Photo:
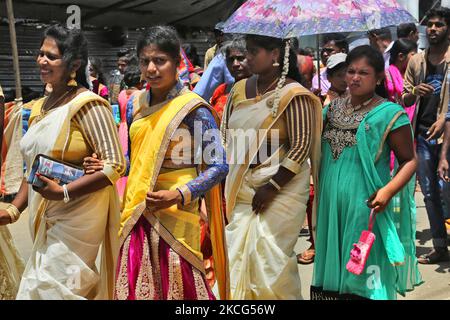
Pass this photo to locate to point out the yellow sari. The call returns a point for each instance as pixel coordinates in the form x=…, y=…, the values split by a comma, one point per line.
x=178, y=226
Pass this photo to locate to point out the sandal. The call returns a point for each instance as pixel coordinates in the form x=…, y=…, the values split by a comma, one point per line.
x=434, y=257
x=306, y=257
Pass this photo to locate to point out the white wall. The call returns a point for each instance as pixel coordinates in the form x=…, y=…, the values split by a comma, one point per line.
x=445, y=3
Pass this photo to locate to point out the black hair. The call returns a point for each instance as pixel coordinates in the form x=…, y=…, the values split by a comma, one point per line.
x=405, y=29
x=191, y=52
x=97, y=65
x=165, y=38
x=122, y=53
x=73, y=46
x=372, y=55
x=237, y=43
x=339, y=40
x=269, y=43
x=340, y=66
x=132, y=76
x=404, y=46
x=441, y=12
x=383, y=33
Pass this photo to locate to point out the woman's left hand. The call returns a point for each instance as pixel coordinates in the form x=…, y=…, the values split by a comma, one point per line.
x=263, y=197
x=162, y=199
x=51, y=190
x=379, y=200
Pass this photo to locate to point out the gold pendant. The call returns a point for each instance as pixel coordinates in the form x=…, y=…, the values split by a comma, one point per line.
x=258, y=98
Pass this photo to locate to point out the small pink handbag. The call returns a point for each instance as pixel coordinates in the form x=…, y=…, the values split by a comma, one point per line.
x=361, y=250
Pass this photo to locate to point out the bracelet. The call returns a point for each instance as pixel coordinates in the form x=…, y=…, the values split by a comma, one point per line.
x=414, y=91
x=66, y=194
x=13, y=212
x=276, y=185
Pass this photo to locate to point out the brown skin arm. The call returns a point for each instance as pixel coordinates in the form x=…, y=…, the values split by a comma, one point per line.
x=401, y=142
x=20, y=201
x=154, y=200
x=421, y=90
x=443, y=167
x=266, y=193
x=80, y=187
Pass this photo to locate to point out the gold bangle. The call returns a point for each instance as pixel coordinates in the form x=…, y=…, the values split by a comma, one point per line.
x=276, y=185
x=13, y=212
x=414, y=91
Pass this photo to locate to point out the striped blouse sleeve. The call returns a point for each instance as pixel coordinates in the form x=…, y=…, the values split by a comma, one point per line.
x=97, y=125
x=299, y=118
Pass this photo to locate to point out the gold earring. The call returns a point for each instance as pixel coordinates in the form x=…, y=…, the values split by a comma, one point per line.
x=276, y=64
x=72, y=82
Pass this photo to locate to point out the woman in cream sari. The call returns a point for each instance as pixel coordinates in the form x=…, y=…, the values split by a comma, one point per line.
x=267, y=188
x=160, y=256
x=69, y=223
x=11, y=265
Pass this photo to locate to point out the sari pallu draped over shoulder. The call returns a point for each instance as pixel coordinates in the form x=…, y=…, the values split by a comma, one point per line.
x=151, y=133
x=67, y=237
x=398, y=231
x=263, y=264
x=237, y=170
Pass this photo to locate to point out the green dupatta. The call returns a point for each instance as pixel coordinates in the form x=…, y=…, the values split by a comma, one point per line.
x=398, y=230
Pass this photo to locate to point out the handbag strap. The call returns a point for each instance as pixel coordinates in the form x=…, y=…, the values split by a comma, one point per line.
x=371, y=219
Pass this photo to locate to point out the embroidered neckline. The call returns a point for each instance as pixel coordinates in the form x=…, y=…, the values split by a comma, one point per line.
x=341, y=128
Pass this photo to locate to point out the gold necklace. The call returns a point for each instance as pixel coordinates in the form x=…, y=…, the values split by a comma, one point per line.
x=258, y=94
x=362, y=106
x=45, y=110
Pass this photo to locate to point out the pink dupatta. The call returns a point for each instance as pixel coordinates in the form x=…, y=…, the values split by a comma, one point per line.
x=123, y=136
x=394, y=88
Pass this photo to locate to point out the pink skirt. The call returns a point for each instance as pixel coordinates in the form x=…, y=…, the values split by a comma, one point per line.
x=149, y=269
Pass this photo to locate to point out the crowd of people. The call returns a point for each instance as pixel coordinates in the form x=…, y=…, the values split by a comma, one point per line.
x=197, y=181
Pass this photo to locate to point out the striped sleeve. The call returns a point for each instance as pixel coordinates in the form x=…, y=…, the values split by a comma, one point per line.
x=98, y=127
x=299, y=118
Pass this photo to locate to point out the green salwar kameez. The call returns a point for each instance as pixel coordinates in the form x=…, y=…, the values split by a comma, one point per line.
x=355, y=163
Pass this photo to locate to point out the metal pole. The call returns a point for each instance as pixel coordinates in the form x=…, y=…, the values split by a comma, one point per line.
x=15, y=54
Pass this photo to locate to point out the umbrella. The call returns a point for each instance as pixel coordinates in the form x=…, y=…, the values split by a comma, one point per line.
x=293, y=18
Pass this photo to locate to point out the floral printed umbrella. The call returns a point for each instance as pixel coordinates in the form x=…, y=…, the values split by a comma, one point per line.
x=293, y=18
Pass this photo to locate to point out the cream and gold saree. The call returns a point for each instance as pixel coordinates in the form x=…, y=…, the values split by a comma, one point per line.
x=262, y=260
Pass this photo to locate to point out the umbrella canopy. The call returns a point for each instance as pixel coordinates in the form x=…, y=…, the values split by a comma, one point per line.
x=293, y=18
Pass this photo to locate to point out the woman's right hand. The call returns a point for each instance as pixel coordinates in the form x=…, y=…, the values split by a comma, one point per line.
x=92, y=164
x=5, y=218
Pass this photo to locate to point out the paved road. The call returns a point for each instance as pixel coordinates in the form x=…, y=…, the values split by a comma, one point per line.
x=437, y=277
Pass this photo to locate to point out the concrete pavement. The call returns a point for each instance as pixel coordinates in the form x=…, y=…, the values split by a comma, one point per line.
x=436, y=277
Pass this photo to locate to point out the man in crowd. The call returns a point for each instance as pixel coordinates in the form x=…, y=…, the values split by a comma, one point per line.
x=332, y=43
x=426, y=85
x=381, y=39
x=212, y=52
x=408, y=31
x=443, y=168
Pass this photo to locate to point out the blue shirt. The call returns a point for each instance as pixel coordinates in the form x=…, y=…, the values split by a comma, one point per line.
x=216, y=74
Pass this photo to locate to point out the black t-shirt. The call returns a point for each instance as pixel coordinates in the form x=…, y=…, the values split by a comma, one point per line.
x=427, y=114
